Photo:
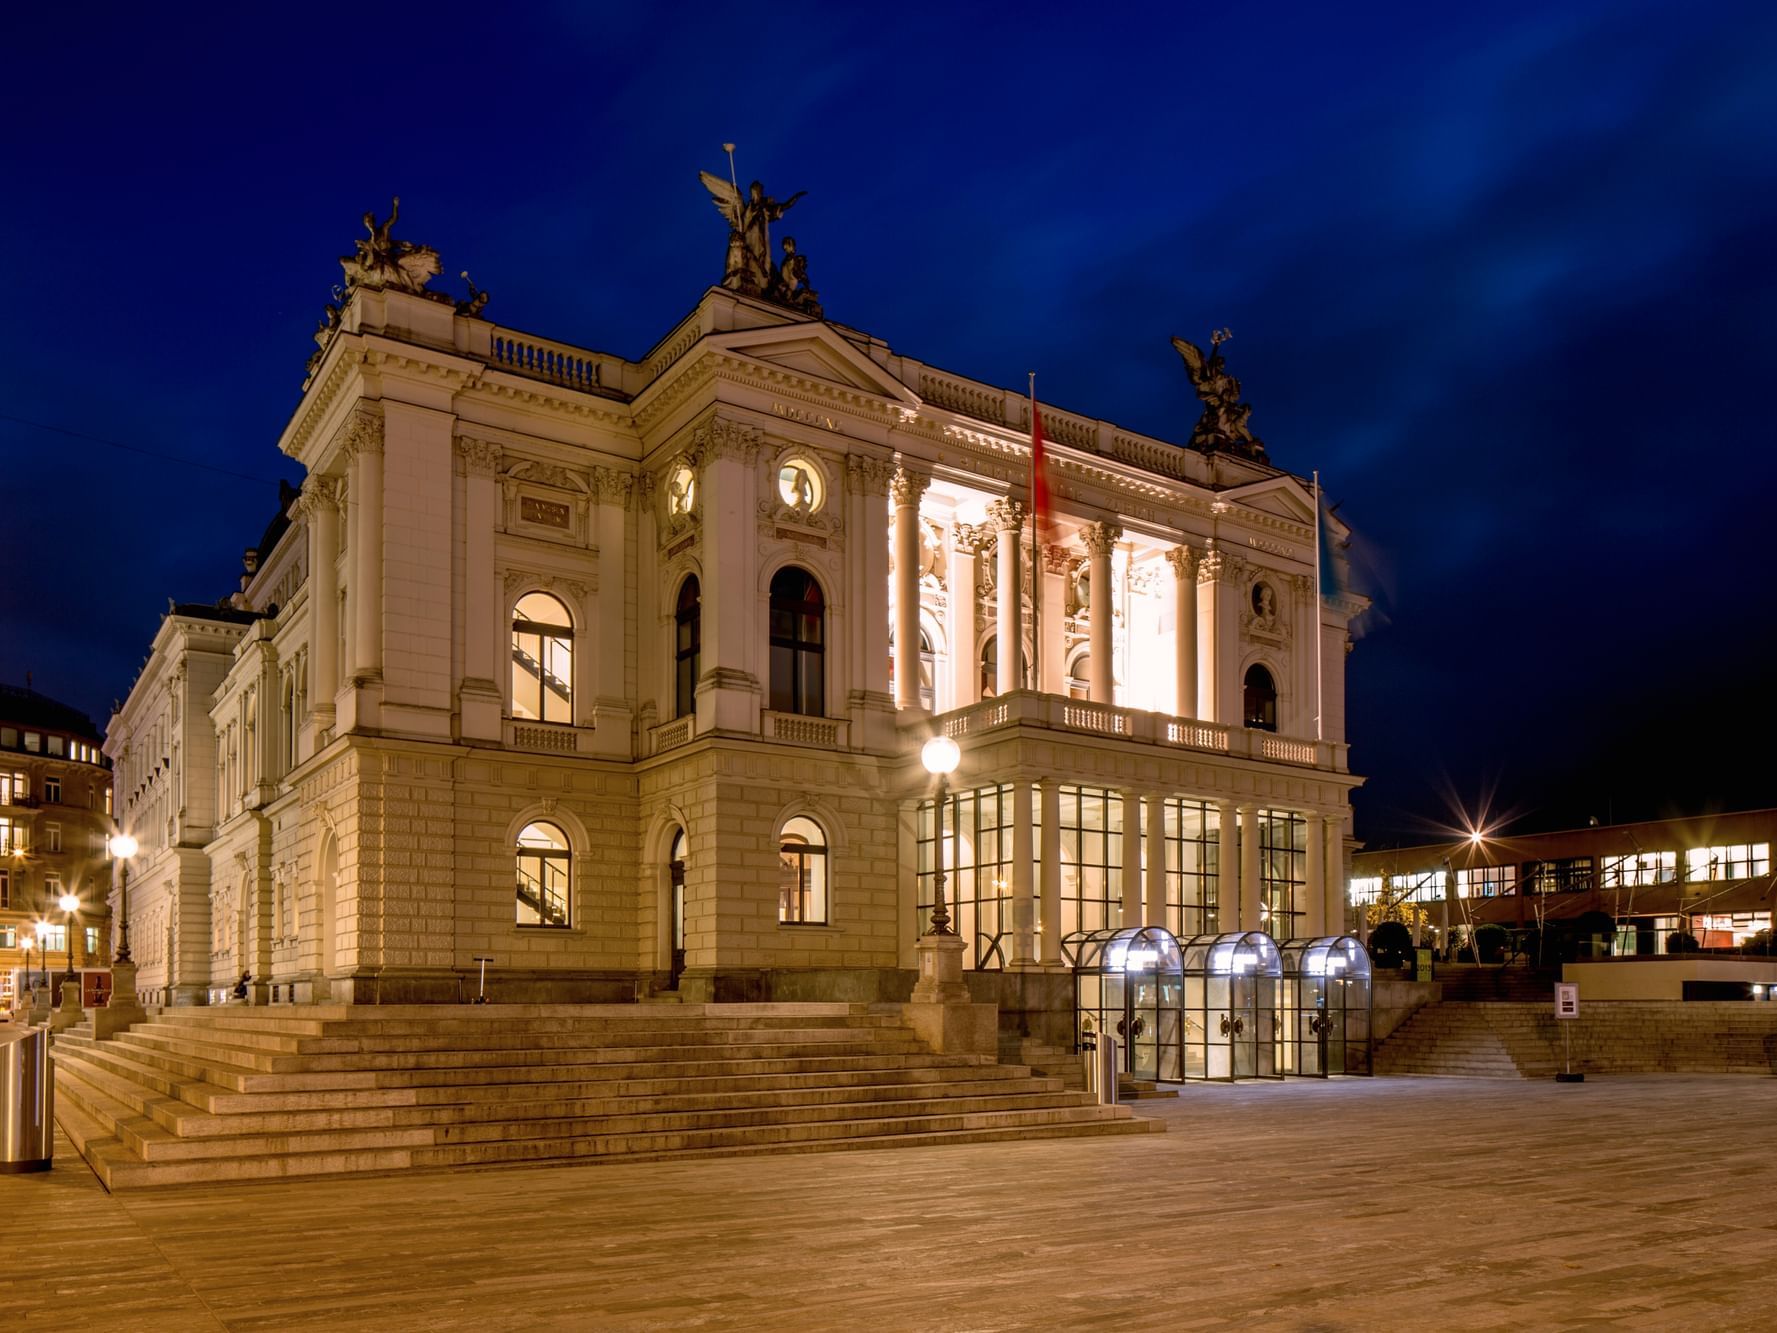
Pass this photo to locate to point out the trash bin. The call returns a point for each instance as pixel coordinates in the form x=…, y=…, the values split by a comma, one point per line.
x=27, y=1101
x=1100, y=1052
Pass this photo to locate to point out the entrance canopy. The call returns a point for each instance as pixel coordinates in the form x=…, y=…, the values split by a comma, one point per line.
x=1231, y=1006
x=1128, y=984
x=1249, y=953
x=1326, y=1006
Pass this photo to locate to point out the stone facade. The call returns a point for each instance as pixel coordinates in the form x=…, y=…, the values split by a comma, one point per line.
x=479, y=629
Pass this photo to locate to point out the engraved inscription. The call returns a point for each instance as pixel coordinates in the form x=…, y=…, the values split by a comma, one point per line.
x=544, y=512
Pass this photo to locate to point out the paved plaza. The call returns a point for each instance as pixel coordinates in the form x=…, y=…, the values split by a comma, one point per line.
x=1644, y=1202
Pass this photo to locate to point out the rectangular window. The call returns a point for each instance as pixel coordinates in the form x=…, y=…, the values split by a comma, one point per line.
x=1740, y=860
x=34, y=742
x=1364, y=889
x=52, y=837
x=14, y=788
x=1283, y=872
x=1091, y=829
x=1573, y=875
x=1487, y=882
x=1637, y=869
x=9, y=938
x=52, y=938
x=52, y=790
x=1422, y=886
x=52, y=887
x=1728, y=930
x=92, y=943
x=12, y=836
x=977, y=872
x=57, y=745
x=1191, y=831
x=5, y=887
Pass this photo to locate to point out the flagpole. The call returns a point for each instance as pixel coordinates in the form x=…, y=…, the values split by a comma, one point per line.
x=1036, y=556
x=1319, y=633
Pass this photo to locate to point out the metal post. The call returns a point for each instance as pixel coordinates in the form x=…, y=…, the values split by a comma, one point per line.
x=940, y=912
x=123, y=905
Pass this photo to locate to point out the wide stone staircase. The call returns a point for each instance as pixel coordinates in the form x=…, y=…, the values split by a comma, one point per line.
x=1507, y=1040
x=229, y=1094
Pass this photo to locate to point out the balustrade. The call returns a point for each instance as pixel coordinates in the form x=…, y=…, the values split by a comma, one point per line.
x=538, y=359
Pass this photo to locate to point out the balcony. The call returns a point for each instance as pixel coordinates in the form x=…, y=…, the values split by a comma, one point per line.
x=1052, y=712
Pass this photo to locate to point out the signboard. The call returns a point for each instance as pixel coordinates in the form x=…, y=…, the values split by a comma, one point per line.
x=1567, y=999
x=1422, y=964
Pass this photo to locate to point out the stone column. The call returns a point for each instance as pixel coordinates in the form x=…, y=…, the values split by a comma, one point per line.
x=730, y=690
x=611, y=714
x=366, y=451
x=481, y=694
x=1100, y=540
x=1227, y=870
x=1052, y=651
x=1314, y=910
x=1154, y=826
x=1184, y=637
x=1337, y=912
x=1008, y=519
x=905, y=491
x=1132, y=872
x=1248, y=917
x=1024, y=907
x=320, y=504
x=1218, y=637
x=965, y=602
x=871, y=705
x=1050, y=865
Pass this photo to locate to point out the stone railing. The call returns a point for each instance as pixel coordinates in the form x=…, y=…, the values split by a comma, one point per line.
x=539, y=359
x=545, y=737
x=965, y=396
x=671, y=735
x=826, y=733
x=1053, y=712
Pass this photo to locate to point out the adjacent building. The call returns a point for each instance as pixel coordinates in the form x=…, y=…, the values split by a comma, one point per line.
x=1708, y=876
x=55, y=815
x=615, y=673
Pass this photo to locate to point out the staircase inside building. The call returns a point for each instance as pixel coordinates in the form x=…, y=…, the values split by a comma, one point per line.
x=229, y=1094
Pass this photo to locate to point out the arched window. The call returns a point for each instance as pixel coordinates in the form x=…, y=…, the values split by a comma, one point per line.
x=802, y=873
x=544, y=863
x=1261, y=699
x=798, y=644
x=990, y=667
x=1079, y=677
x=542, y=659
x=928, y=669
x=688, y=647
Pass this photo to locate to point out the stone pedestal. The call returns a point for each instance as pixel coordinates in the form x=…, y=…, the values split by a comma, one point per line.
x=124, y=1008
x=39, y=1012
x=941, y=1013
x=69, y=1012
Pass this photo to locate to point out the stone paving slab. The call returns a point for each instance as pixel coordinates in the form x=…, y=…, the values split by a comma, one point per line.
x=1637, y=1203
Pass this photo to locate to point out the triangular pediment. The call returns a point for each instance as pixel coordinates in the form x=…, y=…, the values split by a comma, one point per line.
x=815, y=352
x=1281, y=497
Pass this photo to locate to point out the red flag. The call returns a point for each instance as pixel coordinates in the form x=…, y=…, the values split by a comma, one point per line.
x=1039, y=476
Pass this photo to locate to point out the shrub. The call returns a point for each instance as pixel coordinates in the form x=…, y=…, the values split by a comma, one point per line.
x=1391, y=945
x=1680, y=941
x=1490, y=942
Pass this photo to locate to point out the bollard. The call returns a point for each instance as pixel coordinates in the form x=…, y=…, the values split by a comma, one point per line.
x=27, y=1101
x=1108, y=1069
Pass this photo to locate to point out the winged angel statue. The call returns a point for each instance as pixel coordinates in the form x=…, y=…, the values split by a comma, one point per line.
x=380, y=260
x=1223, y=423
x=749, y=268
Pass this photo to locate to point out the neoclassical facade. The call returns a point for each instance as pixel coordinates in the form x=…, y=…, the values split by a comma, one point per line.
x=615, y=673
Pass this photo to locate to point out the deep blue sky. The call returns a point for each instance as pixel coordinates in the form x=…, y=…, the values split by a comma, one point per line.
x=1505, y=276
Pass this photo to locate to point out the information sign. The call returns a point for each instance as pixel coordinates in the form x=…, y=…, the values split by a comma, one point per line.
x=1567, y=1000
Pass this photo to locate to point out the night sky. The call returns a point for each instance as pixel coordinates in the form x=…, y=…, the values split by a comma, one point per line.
x=1505, y=275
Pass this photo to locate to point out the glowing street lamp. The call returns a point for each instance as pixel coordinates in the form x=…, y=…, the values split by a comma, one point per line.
x=69, y=905
x=940, y=756
x=122, y=847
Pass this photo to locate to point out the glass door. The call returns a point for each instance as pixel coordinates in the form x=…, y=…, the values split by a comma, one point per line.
x=1142, y=1022
x=677, y=872
x=1241, y=1027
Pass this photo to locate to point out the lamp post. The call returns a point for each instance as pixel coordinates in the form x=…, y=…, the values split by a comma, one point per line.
x=42, y=957
x=940, y=756
x=26, y=942
x=122, y=847
x=69, y=905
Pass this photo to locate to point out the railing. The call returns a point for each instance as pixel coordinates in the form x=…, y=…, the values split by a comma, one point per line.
x=825, y=732
x=551, y=739
x=671, y=735
x=975, y=400
x=538, y=359
x=1055, y=713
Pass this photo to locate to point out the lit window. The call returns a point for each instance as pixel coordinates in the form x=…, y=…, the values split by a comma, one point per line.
x=542, y=659
x=544, y=866
x=681, y=492
x=1365, y=889
x=1637, y=869
x=798, y=643
x=12, y=837
x=802, y=873
x=15, y=788
x=1741, y=860
x=1487, y=882
x=52, y=938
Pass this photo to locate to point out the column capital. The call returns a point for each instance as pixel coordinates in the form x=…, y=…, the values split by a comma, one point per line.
x=908, y=485
x=318, y=492
x=969, y=538
x=1100, y=538
x=1219, y=566
x=363, y=434
x=613, y=486
x=720, y=437
x=1007, y=515
x=1057, y=559
x=869, y=476
x=481, y=458
x=1184, y=561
